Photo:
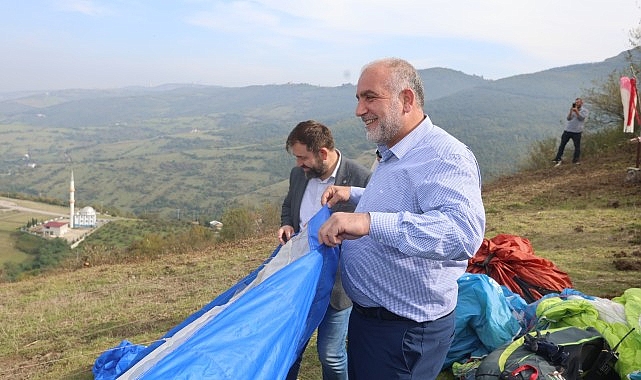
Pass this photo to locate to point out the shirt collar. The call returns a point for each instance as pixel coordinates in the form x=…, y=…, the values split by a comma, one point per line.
x=407, y=143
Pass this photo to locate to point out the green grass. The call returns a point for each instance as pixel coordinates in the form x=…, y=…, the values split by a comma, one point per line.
x=12, y=220
x=584, y=219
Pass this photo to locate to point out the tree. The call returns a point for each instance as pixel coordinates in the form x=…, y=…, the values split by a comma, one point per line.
x=606, y=109
x=635, y=36
x=238, y=223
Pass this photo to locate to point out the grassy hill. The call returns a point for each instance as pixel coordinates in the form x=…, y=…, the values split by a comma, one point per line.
x=584, y=218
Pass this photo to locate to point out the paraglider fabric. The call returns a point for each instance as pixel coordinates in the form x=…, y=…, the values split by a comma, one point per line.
x=254, y=330
x=484, y=319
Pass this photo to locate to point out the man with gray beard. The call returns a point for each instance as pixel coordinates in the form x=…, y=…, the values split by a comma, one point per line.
x=409, y=239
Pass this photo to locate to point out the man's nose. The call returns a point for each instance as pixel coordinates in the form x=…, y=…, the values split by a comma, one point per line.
x=360, y=109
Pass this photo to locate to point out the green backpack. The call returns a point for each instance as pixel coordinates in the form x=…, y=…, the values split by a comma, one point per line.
x=568, y=353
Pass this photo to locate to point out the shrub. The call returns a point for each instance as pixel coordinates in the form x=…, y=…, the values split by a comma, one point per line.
x=238, y=223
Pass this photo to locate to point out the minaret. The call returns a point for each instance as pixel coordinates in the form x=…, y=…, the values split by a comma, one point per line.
x=71, y=201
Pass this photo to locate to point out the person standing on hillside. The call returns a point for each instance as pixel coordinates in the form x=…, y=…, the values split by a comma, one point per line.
x=319, y=165
x=573, y=131
x=416, y=224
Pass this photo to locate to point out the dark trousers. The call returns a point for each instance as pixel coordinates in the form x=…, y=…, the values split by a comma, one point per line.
x=397, y=350
x=330, y=345
x=576, y=140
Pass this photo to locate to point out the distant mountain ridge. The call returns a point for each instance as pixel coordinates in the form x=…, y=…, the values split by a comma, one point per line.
x=216, y=144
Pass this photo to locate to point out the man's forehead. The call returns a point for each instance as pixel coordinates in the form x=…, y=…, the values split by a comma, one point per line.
x=299, y=147
x=373, y=78
x=369, y=85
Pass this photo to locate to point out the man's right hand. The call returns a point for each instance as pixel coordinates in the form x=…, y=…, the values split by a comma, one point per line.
x=344, y=226
x=334, y=194
x=285, y=233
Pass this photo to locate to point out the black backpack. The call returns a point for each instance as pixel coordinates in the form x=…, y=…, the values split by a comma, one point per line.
x=569, y=353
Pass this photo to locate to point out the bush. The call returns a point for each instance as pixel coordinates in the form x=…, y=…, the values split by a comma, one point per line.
x=540, y=154
x=238, y=223
x=45, y=254
x=245, y=221
x=151, y=246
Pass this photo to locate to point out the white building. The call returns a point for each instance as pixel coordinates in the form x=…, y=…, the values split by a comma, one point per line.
x=86, y=217
x=83, y=218
x=55, y=228
x=216, y=225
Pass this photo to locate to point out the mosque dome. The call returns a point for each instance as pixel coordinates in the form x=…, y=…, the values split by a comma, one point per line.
x=88, y=210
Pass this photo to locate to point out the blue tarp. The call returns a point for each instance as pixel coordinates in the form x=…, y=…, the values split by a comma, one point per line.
x=254, y=330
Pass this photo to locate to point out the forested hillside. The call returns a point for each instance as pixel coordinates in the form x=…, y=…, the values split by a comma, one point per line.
x=194, y=150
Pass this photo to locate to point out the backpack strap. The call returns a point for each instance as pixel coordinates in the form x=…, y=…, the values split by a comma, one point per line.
x=486, y=263
x=533, y=376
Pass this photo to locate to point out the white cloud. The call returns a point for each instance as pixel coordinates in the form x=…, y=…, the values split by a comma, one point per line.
x=238, y=17
x=547, y=30
x=86, y=7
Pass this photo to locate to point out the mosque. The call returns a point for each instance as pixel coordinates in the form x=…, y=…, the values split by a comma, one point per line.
x=83, y=218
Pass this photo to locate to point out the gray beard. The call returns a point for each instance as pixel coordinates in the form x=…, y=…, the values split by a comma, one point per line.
x=387, y=128
x=382, y=135
x=386, y=131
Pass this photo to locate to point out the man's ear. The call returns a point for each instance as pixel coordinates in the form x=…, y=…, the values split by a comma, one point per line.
x=322, y=153
x=407, y=97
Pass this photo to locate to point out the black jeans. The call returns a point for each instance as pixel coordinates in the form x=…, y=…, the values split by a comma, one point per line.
x=576, y=140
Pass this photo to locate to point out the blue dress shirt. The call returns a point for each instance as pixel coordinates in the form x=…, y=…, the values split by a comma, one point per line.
x=427, y=220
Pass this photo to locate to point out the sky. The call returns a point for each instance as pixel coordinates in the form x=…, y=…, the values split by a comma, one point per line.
x=63, y=44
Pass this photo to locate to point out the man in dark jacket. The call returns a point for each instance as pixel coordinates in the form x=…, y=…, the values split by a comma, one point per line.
x=319, y=165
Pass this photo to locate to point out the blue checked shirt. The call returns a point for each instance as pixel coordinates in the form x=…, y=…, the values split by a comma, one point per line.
x=427, y=220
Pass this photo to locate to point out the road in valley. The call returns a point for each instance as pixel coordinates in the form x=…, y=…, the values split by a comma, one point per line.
x=9, y=205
